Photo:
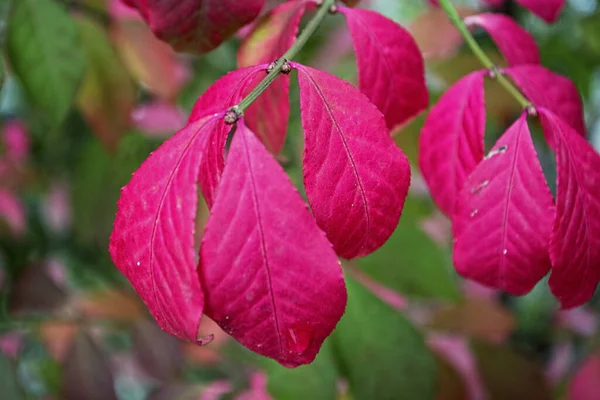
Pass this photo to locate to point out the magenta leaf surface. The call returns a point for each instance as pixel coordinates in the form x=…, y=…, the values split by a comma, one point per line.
x=270, y=277
x=451, y=141
x=515, y=43
x=196, y=25
x=391, y=70
x=503, y=217
x=356, y=178
x=223, y=94
x=152, y=243
x=548, y=10
x=555, y=92
x=269, y=40
x=575, y=240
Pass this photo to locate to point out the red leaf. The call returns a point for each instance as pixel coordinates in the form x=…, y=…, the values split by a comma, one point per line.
x=196, y=25
x=390, y=66
x=152, y=243
x=516, y=44
x=584, y=384
x=451, y=142
x=269, y=40
x=548, y=10
x=575, y=240
x=555, y=92
x=270, y=277
x=223, y=94
x=503, y=217
x=356, y=177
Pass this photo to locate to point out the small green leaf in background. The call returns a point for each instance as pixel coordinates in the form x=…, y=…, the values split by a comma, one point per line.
x=9, y=389
x=107, y=95
x=381, y=353
x=316, y=381
x=45, y=53
x=508, y=375
x=410, y=262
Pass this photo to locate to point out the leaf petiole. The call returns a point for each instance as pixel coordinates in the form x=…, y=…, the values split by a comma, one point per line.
x=495, y=72
x=308, y=31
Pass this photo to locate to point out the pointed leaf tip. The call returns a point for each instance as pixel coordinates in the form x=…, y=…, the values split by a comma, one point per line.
x=503, y=216
x=451, y=141
x=270, y=277
x=391, y=69
x=356, y=177
x=548, y=10
x=152, y=242
x=575, y=239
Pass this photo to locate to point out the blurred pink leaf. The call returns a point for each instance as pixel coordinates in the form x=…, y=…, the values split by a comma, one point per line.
x=151, y=62
x=158, y=118
x=261, y=243
x=451, y=141
x=12, y=212
x=575, y=240
x=356, y=201
x=548, y=10
x=388, y=57
x=507, y=190
x=516, y=44
x=57, y=208
x=584, y=385
x=15, y=140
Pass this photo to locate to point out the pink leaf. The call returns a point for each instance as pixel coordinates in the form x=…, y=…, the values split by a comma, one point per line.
x=584, y=385
x=390, y=65
x=575, y=240
x=548, y=10
x=356, y=177
x=555, y=92
x=268, y=41
x=12, y=212
x=451, y=142
x=158, y=118
x=15, y=139
x=223, y=94
x=516, y=44
x=152, y=243
x=270, y=277
x=503, y=217
x=196, y=25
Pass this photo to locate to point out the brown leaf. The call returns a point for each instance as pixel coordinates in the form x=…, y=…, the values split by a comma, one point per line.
x=35, y=291
x=508, y=375
x=86, y=372
x=482, y=319
x=111, y=304
x=58, y=337
x=450, y=384
x=158, y=353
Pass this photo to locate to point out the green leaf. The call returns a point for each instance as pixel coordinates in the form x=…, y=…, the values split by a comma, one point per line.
x=315, y=381
x=45, y=53
x=410, y=262
x=381, y=353
x=8, y=380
